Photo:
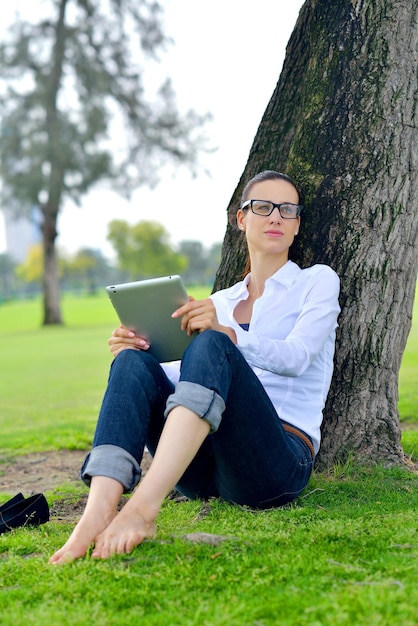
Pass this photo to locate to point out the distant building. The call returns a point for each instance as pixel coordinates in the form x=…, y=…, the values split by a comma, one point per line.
x=21, y=233
x=2, y=234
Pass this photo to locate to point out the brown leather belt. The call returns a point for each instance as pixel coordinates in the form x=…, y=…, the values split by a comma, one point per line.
x=295, y=431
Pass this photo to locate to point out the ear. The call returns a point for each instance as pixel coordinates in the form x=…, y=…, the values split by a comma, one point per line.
x=241, y=219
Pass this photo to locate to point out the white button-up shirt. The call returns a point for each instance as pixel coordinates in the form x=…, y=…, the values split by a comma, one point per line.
x=290, y=341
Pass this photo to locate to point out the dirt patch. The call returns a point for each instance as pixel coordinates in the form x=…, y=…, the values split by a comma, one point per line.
x=44, y=471
x=40, y=472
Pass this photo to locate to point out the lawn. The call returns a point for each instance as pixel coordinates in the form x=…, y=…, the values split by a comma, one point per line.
x=346, y=553
x=408, y=375
x=52, y=379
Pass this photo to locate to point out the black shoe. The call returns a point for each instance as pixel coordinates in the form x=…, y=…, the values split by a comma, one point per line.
x=27, y=512
x=17, y=498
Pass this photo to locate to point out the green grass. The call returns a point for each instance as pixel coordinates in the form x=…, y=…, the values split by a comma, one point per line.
x=52, y=379
x=346, y=553
x=408, y=375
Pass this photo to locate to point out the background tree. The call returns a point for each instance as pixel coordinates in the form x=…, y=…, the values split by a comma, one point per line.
x=342, y=122
x=202, y=263
x=7, y=270
x=72, y=78
x=214, y=259
x=144, y=249
x=195, y=253
x=86, y=270
x=30, y=271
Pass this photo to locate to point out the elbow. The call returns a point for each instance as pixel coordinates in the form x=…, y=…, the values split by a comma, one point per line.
x=297, y=364
x=295, y=371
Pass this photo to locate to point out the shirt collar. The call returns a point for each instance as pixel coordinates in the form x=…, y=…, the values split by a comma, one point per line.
x=284, y=276
x=239, y=288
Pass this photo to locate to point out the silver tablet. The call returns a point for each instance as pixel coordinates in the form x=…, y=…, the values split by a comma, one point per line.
x=146, y=306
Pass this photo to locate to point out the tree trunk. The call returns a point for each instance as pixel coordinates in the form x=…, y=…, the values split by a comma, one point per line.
x=51, y=288
x=52, y=309
x=342, y=122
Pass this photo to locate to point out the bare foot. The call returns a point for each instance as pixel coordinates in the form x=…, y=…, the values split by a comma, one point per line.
x=128, y=529
x=100, y=510
x=82, y=537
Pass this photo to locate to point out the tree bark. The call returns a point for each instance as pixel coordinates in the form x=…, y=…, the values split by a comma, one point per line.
x=342, y=122
x=50, y=282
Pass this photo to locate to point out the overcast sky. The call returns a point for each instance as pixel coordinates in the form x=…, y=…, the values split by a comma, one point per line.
x=226, y=59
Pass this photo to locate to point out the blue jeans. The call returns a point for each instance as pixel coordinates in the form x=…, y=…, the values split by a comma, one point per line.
x=248, y=458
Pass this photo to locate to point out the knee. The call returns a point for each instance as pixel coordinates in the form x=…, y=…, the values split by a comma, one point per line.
x=209, y=341
x=127, y=357
x=131, y=359
x=135, y=366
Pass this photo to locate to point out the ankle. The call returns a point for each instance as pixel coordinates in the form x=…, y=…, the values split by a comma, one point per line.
x=145, y=506
x=104, y=496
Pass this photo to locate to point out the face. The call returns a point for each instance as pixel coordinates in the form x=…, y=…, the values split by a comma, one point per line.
x=272, y=234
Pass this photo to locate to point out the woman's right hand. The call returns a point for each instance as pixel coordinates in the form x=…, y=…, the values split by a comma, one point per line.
x=123, y=339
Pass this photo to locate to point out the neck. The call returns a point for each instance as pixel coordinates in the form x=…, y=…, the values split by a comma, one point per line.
x=261, y=270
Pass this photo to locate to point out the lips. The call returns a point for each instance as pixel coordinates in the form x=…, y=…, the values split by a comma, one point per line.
x=274, y=233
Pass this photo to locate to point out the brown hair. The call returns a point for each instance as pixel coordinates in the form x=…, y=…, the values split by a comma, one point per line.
x=258, y=178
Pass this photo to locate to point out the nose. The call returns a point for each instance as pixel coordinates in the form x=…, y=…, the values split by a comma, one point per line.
x=275, y=215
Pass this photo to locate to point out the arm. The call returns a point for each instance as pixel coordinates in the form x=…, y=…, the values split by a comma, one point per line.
x=315, y=321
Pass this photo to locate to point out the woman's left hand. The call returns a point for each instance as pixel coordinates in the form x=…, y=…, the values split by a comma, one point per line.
x=200, y=315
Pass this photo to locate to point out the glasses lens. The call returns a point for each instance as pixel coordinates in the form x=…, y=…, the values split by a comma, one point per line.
x=261, y=207
x=289, y=211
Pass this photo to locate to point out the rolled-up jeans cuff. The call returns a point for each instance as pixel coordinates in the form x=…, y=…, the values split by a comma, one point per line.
x=203, y=401
x=113, y=462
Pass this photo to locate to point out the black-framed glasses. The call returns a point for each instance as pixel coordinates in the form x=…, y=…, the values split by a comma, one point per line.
x=287, y=210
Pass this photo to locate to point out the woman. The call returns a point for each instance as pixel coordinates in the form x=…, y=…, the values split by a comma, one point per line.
x=241, y=420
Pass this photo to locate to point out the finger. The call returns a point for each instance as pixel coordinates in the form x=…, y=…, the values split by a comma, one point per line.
x=190, y=320
x=182, y=310
x=184, y=322
x=197, y=323
x=200, y=319
x=127, y=338
x=198, y=326
x=118, y=349
x=121, y=331
x=191, y=305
